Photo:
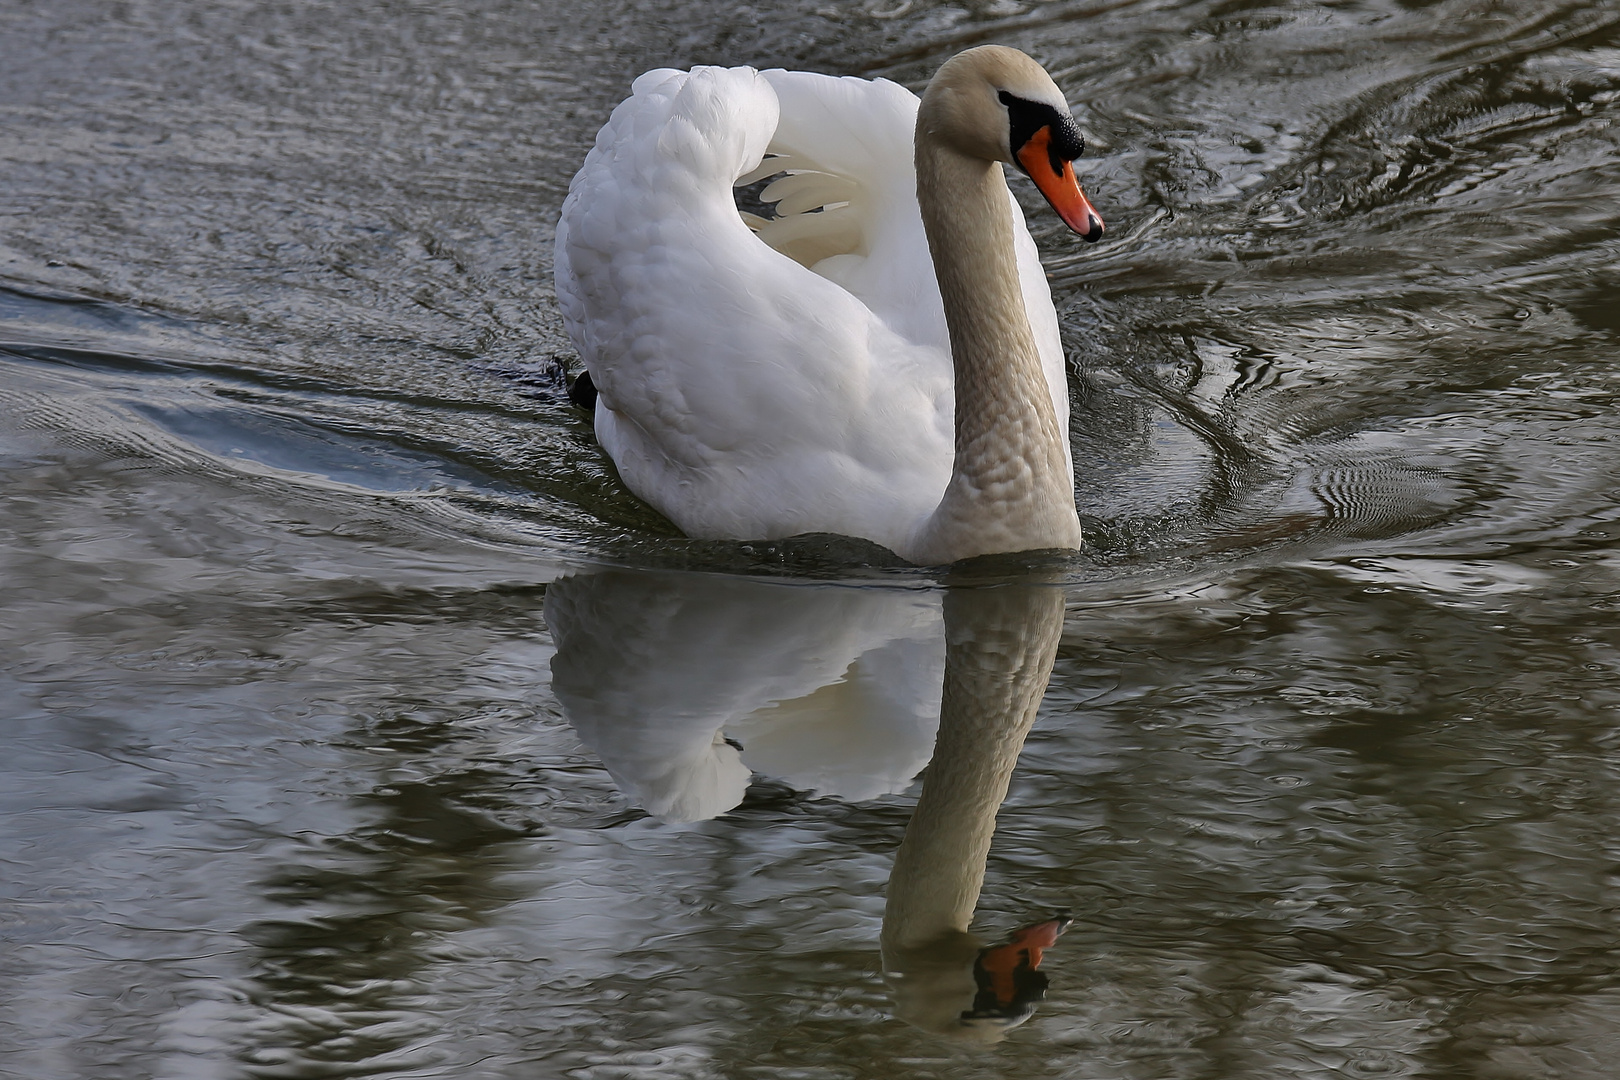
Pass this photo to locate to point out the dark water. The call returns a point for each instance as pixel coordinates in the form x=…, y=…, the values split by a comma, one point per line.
x=357, y=723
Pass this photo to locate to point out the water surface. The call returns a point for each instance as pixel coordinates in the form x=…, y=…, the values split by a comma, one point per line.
x=357, y=722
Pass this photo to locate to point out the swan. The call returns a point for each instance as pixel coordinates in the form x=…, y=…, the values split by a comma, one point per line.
x=881, y=360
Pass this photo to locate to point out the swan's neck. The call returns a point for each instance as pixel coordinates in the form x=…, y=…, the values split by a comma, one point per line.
x=1011, y=486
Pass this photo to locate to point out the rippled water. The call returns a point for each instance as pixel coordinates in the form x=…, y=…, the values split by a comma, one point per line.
x=358, y=723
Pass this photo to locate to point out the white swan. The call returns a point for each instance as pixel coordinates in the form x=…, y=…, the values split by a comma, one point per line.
x=813, y=373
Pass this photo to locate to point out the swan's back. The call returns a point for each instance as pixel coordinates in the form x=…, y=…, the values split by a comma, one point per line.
x=794, y=380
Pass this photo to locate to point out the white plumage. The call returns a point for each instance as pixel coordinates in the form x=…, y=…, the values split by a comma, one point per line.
x=797, y=379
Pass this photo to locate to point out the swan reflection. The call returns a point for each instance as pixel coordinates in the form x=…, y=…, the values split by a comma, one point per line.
x=1001, y=643
x=686, y=684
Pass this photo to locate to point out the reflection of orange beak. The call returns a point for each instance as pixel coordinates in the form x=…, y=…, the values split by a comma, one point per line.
x=1056, y=181
x=1008, y=975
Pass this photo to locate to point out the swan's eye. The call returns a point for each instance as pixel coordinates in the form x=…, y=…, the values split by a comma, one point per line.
x=1026, y=117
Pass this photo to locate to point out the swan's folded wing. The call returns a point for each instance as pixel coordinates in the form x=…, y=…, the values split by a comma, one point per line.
x=864, y=130
x=741, y=394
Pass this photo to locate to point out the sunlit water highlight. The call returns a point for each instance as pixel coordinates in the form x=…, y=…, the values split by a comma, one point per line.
x=358, y=723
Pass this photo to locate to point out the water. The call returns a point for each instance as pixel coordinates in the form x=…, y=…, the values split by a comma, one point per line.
x=358, y=723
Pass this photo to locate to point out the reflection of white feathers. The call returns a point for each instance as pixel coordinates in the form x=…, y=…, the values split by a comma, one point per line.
x=865, y=734
x=828, y=688
x=794, y=379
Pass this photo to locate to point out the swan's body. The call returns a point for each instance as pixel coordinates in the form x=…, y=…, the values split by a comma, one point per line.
x=801, y=379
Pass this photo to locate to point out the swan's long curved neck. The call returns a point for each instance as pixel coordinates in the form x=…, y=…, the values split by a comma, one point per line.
x=1011, y=486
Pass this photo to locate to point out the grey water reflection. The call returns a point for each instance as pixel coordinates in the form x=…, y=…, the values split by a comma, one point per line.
x=686, y=685
x=1000, y=645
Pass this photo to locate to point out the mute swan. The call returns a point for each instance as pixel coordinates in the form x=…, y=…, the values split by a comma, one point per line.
x=882, y=359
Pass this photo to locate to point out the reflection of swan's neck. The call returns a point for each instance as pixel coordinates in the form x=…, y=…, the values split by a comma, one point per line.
x=1001, y=644
x=1012, y=486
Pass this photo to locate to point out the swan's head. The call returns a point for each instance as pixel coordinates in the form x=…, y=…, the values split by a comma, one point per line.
x=996, y=103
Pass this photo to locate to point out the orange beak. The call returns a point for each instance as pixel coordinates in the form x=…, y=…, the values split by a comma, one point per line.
x=1056, y=180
